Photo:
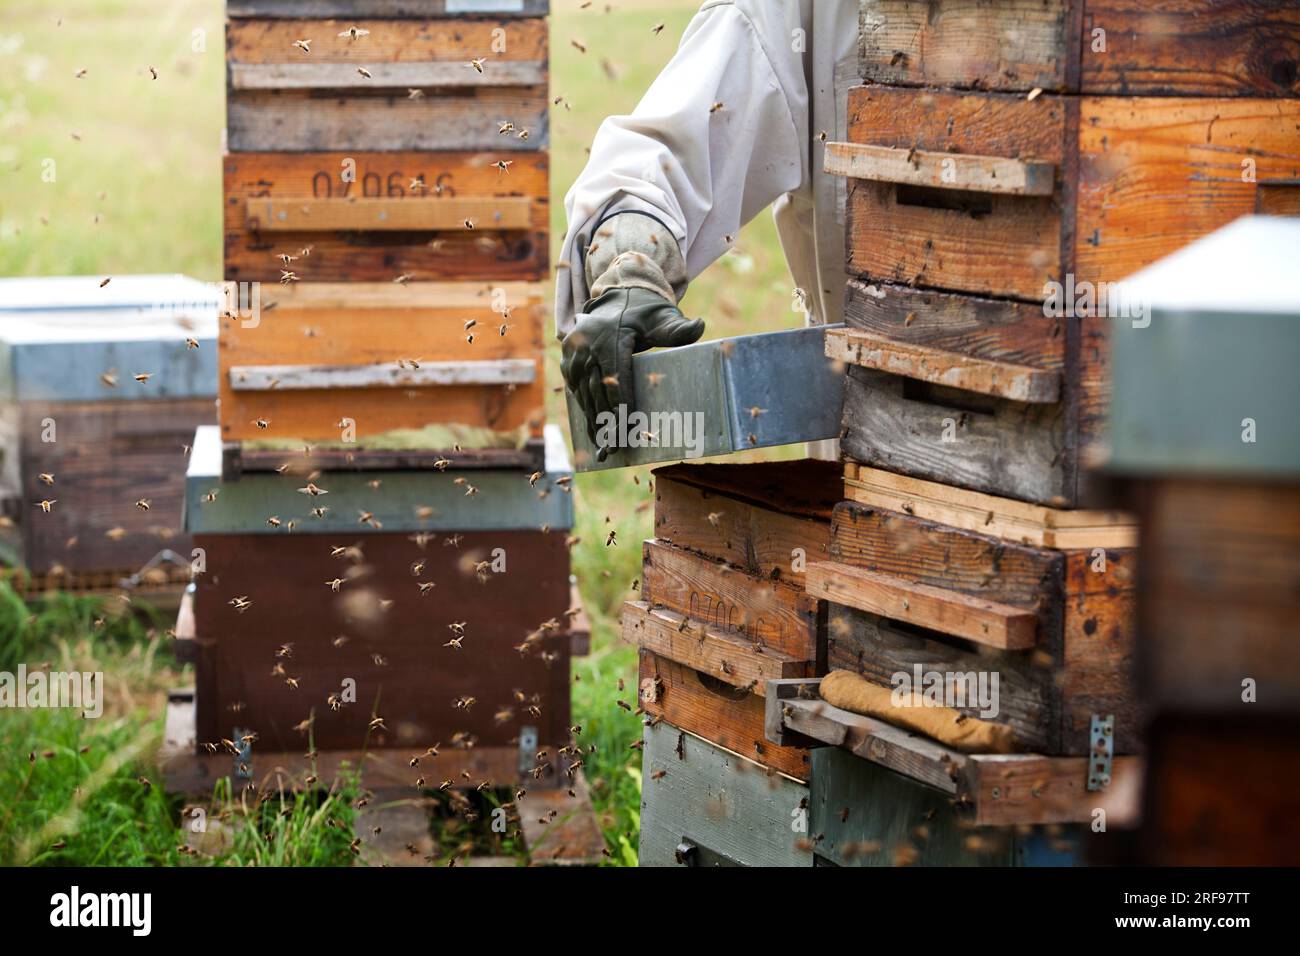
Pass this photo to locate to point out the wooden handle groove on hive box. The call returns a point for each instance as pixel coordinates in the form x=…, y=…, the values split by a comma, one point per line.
x=403, y=76
x=262, y=378
x=388, y=214
x=1020, y=383
x=921, y=167
x=948, y=612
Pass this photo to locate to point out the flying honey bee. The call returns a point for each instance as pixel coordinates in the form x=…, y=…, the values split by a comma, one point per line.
x=303, y=45
x=354, y=33
x=477, y=65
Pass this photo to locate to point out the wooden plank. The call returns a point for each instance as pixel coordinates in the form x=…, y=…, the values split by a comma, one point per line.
x=984, y=243
x=422, y=179
x=312, y=120
x=393, y=821
x=1004, y=518
x=1020, y=383
x=726, y=810
x=387, y=8
x=378, y=75
x=387, y=215
x=767, y=614
x=1012, y=449
x=1191, y=48
x=384, y=326
x=922, y=167
x=1000, y=330
x=706, y=650
x=1013, y=45
x=947, y=612
x=767, y=518
x=730, y=717
x=260, y=378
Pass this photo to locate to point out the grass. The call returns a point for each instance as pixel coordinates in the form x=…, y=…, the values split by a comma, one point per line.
x=140, y=191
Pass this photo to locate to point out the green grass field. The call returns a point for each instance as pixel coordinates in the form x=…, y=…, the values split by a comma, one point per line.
x=135, y=187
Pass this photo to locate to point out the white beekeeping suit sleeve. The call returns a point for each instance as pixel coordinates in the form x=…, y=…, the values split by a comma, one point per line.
x=720, y=134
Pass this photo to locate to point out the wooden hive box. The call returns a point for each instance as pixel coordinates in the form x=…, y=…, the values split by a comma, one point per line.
x=502, y=569
x=704, y=806
x=1116, y=47
x=384, y=82
x=379, y=358
x=71, y=408
x=370, y=216
x=920, y=587
x=722, y=582
x=985, y=231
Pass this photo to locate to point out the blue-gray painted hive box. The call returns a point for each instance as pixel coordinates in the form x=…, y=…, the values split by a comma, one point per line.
x=1204, y=366
x=360, y=502
x=720, y=397
x=73, y=340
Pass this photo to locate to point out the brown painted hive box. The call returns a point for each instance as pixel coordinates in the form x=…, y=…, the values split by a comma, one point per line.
x=984, y=232
x=353, y=90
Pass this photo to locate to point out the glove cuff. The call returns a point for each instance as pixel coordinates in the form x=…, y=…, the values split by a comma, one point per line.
x=634, y=251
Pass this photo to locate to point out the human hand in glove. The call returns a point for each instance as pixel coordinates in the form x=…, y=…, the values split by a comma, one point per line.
x=597, y=352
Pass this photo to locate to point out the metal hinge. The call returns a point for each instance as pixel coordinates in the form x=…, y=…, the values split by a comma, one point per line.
x=527, y=750
x=1101, y=750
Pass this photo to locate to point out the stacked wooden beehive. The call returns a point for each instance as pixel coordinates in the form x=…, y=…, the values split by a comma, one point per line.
x=101, y=388
x=381, y=521
x=1006, y=164
x=996, y=192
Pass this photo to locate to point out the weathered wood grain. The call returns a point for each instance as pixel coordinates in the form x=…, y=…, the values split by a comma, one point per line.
x=395, y=654
x=259, y=378
x=1122, y=47
x=387, y=8
x=1191, y=48
x=374, y=326
x=1021, y=383
x=405, y=54
x=387, y=215
x=1005, y=518
x=1015, y=45
x=948, y=612
x=768, y=614
x=767, y=518
x=1156, y=173
x=458, y=119
x=707, y=650
x=727, y=716
x=996, y=446
x=724, y=809
x=1000, y=330
x=420, y=179
x=106, y=457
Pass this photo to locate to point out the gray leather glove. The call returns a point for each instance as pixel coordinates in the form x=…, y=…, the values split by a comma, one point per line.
x=610, y=329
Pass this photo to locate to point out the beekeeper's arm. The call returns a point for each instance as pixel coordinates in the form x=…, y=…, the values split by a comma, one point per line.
x=720, y=134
